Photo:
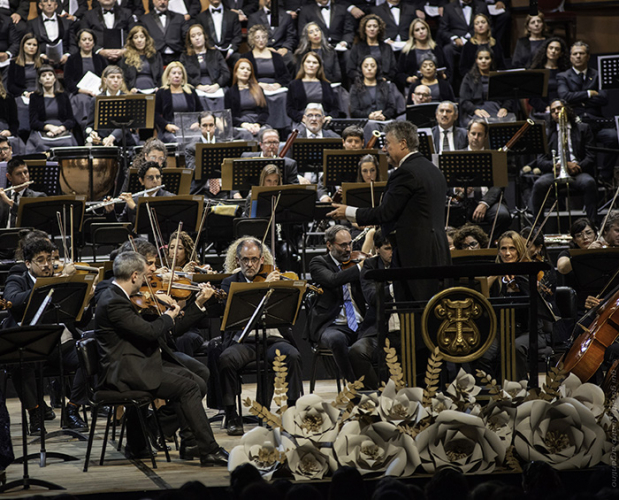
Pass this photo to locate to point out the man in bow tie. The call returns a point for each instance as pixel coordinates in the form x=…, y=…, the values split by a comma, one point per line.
x=168, y=30
x=50, y=29
x=223, y=29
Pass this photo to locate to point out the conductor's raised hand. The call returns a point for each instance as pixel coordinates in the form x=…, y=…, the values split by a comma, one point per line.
x=339, y=213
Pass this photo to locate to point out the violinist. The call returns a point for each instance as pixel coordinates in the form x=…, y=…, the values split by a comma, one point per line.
x=149, y=176
x=250, y=259
x=183, y=252
x=470, y=237
x=367, y=346
x=336, y=322
x=136, y=356
x=37, y=253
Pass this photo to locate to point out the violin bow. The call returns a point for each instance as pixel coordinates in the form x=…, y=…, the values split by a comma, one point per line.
x=160, y=236
x=496, y=216
x=178, y=239
x=271, y=219
x=152, y=228
x=448, y=210
x=537, y=216
x=150, y=288
x=71, y=229
x=195, y=246
x=63, y=235
x=541, y=226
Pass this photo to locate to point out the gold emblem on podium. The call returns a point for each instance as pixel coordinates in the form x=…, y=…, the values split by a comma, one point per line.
x=460, y=322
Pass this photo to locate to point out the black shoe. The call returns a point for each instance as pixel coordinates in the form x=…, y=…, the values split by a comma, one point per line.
x=35, y=422
x=218, y=457
x=72, y=419
x=142, y=454
x=49, y=413
x=189, y=452
x=234, y=426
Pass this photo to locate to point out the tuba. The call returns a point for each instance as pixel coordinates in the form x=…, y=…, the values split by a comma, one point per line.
x=563, y=158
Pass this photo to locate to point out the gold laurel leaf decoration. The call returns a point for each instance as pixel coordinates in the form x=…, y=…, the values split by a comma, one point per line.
x=435, y=362
x=395, y=368
x=511, y=461
x=280, y=395
x=554, y=380
x=263, y=413
x=490, y=384
x=349, y=392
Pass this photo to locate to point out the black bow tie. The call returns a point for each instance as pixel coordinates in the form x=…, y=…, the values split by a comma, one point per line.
x=108, y=11
x=49, y=20
x=325, y=7
x=218, y=11
x=267, y=12
x=162, y=13
x=394, y=6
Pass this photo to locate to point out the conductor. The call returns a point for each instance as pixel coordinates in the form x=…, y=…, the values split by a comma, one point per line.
x=411, y=211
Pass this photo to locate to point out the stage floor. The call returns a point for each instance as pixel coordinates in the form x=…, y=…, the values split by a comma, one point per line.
x=119, y=474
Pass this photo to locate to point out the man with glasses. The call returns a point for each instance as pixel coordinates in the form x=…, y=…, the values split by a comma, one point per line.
x=6, y=151
x=421, y=95
x=236, y=355
x=268, y=139
x=313, y=122
x=336, y=322
x=17, y=174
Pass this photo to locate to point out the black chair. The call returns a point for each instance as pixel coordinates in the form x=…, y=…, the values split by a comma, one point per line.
x=89, y=361
x=250, y=227
x=108, y=234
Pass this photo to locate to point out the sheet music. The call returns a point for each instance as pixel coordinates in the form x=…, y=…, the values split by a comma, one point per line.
x=212, y=95
x=54, y=52
x=91, y=82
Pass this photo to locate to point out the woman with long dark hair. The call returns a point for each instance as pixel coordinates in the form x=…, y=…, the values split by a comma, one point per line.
x=371, y=42
x=552, y=55
x=246, y=100
x=141, y=63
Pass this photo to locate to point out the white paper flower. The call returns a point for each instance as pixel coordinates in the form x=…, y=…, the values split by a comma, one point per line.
x=463, y=388
x=305, y=462
x=563, y=433
x=366, y=407
x=440, y=403
x=311, y=420
x=401, y=406
x=591, y=395
x=462, y=441
x=499, y=417
x=260, y=447
x=516, y=391
x=377, y=449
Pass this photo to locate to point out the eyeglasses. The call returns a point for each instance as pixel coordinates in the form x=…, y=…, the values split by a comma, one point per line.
x=468, y=246
x=271, y=142
x=5, y=149
x=314, y=117
x=41, y=261
x=253, y=260
x=584, y=234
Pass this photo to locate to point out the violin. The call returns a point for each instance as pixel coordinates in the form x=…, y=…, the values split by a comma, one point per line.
x=148, y=301
x=5, y=304
x=267, y=269
x=356, y=256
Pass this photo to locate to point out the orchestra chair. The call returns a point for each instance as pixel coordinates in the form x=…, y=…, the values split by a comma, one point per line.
x=88, y=355
x=108, y=234
x=242, y=226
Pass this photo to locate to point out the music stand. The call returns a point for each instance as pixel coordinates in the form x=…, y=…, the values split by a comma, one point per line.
x=518, y=84
x=176, y=180
x=40, y=213
x=124, y=112
x=209, y=157
x=339, y=124
x=608, y=69
x=532, y=142
x=308, y=153
x=248, y=309
x=170, y=211
x=593, y=269
x=422, y=115
x=426, y=143
x=474, y=168
x=28, y=344
x=243, y=174
x=45, y=175
x=359, y=194
x=341, y=165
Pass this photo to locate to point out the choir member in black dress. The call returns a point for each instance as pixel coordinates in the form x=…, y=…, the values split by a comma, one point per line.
x=371, y=42
x=246, y=100
x=174, y=96
x=51, y=117
x=141, y=63
x=206, y=68
x=77, y=66
x=535, y=32
x=482, y=37
x=312, y=39
x=552, y=55
x=310, y=85
x=474, y=91
x=440, y=88
x=9, y=123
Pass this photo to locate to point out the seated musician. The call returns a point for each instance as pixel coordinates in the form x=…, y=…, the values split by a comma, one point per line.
x=270, y=177
x=366, y=348
x=235, y=356
x=17, y=174
x=580, y=160
x=268, y=140
x=470, y=237
x=37, y=253
x=446, y=134
x=136, y=356
x=150, y=176
x=313, y=122
x=336, y=322
x=482, y=204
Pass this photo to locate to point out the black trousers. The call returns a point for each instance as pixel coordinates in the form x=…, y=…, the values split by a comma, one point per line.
x=352, y=356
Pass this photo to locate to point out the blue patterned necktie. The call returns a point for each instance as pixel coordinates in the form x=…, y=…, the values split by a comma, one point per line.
x=351, y=319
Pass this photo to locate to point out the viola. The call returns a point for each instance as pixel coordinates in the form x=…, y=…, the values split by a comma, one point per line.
x=356, y=256
x=267, y=269
x=148, y=300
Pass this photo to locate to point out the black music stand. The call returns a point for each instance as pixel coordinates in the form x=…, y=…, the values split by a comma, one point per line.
x=474, y=168
x=422, y=115
x=518, y=84
x=209, y=157
x=594, y=268
x=426, y=143
x=359, y=194
x=261, y=306
x=170, y=211
x=341, y=165
x=308, y=153
x=339, y=124
x=532, y=142
x=45, y=175
x=40, y=213
x=124, y=112
x=176, y=180
x=608, y=69
x=28, y=344
x=244, y=173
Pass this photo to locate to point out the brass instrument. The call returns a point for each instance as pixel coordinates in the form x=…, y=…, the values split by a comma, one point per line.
x=375, y=136
x=563, y=158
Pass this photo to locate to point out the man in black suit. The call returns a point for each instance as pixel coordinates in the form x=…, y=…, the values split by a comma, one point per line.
x=168, y=30
x=579, y=87
x=187, y=8
x=135, y=355
x=108, y=16
x=16, y=173
x=38, y=259
x=312, y=123
x=49, y=29
x=236, y=355
x=10, y=37
x=456, y=27
x=336, y=322
x=412, y=208
x=580, y=161
x=223, y=29
x=283, y=38
x=447, y=136
x=336, y=23
x=136, y=7
x=72, y=11
x=268, y=140
x=398, y=16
